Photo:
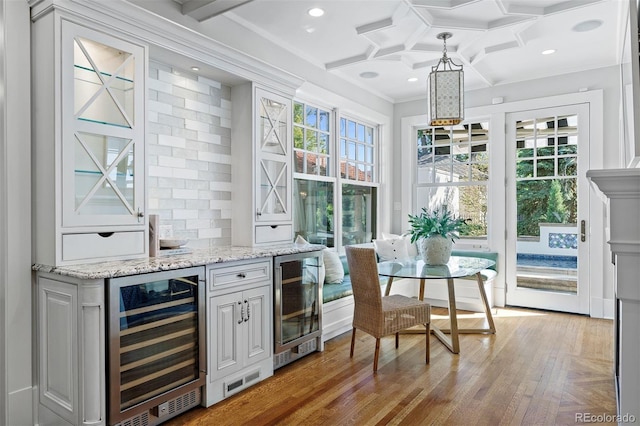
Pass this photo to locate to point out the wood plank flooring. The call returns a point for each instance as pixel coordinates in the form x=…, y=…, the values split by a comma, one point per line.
x=541, y=368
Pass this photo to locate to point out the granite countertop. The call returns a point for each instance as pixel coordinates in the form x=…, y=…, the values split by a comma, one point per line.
x=198, y=257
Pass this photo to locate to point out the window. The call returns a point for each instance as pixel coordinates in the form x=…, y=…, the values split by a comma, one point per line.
x=356, y=151
x=311, y=140
x=328, y=202
x=453, y=169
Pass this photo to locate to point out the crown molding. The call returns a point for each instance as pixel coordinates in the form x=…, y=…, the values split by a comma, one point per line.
x=149, y=28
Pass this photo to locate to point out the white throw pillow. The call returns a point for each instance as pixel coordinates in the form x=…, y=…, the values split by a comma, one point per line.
x=412, y=249
x=333, y=271
x=394, y=249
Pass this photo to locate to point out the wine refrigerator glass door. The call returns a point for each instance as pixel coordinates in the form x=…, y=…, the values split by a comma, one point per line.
x=156, y=332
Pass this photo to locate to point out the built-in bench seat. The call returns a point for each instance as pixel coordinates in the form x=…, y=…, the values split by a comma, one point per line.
x=337, y=298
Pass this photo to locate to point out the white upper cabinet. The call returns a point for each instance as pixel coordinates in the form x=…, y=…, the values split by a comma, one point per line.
x=88, y=142
x=261, y=142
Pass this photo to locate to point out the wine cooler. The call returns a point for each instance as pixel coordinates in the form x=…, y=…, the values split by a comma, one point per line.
x=156, y=345
x=298, y=306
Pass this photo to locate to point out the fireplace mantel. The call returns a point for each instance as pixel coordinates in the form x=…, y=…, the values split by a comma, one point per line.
x=622, y=188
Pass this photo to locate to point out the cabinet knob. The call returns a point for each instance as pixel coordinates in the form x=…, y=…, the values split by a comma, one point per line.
x=242, y=275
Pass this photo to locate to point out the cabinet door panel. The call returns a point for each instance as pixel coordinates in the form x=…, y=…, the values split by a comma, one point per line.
x=273, y=156
x=103, y=129
x=57, y=311
x=257, y=325
x=225, y=332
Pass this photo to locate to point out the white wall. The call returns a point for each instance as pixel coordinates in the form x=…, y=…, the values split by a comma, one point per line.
x=15, y=186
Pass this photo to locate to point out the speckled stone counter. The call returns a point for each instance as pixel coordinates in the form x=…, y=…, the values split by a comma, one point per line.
x=198, y=257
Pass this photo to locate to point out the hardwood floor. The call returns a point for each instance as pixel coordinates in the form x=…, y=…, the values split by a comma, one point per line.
x=541, y=368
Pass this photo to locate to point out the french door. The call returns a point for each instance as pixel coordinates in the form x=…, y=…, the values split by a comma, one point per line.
x=547, y=238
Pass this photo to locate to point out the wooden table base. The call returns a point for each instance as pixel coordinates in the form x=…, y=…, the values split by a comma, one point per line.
x=450, y=336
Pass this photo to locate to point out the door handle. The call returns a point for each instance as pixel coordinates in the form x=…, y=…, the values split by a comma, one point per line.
x=583, y=232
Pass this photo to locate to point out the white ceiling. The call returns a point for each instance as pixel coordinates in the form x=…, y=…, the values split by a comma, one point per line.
x=497, y=41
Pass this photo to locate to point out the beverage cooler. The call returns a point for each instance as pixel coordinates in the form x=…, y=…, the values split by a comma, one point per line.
x=156, y=345
x=297, y=306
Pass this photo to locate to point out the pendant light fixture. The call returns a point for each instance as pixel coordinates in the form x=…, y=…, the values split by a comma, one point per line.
x=446, y=90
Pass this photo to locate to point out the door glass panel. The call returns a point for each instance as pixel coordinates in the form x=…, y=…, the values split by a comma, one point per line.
x=546, y=200
x=104, y=172
x=299, y=305
x=103, y=83
x=272, y=126
x=273, y=187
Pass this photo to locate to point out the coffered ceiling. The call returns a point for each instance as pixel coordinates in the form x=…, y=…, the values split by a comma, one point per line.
x=381, y=44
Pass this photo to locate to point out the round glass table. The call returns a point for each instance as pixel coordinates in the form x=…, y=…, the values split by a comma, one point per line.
x=457, y=267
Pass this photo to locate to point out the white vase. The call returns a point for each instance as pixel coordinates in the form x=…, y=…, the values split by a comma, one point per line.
x=436, y=250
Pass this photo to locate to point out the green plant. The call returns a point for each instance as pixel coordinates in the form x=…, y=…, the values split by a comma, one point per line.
x=439, y=221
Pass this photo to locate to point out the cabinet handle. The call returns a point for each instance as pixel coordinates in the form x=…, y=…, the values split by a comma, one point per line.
x=258, y=213
x=583, y=231
x=242, y=275
x=248, y=311
x=241, y=312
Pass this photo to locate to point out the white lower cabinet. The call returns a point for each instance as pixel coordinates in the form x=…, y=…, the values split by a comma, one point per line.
x=239, y=320
x=71, y=348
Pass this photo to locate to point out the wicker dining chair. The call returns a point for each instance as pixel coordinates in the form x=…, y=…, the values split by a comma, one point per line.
x=377, y=315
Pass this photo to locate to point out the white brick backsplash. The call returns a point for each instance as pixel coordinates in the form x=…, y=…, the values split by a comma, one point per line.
x=178, y=142
x=210, y=233
x=221, y=186
x=214, y=158
x=185, y=174
x=189, y=162
x=196, y=125
x=171, y=162
x=185, y=214
x=220, y=204
x=209, y=82
x=185, y=193
x=196, y=106
x=160, y=171
x=198, y=223
x=160, y=86
x=168, y=77
x=156, y=106
x=208, y=137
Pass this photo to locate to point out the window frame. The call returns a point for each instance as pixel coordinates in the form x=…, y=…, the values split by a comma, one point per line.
x=335, y=177
x=463, y=242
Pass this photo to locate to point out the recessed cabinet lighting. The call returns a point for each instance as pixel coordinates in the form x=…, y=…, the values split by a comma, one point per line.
x=412, y=79
x=548, y=51
x=195, y=68
x=315, y=12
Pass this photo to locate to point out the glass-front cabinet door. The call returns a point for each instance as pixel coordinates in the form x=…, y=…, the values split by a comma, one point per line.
x=273, y=148
x=103, y=129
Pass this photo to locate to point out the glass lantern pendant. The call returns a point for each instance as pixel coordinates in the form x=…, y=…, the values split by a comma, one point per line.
x=446, y=90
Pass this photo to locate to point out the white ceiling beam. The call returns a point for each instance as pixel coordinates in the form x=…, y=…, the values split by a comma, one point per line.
x=442, y=4
x=351, y=60
x=375, y=26
x=201, y=10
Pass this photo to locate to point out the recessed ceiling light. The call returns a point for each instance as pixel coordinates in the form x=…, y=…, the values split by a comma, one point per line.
x=195, y=68
x=368, y=74
x=548, y=51
x=315, y=12
x=589, y=25
x=310, y=29
x=412, y=79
